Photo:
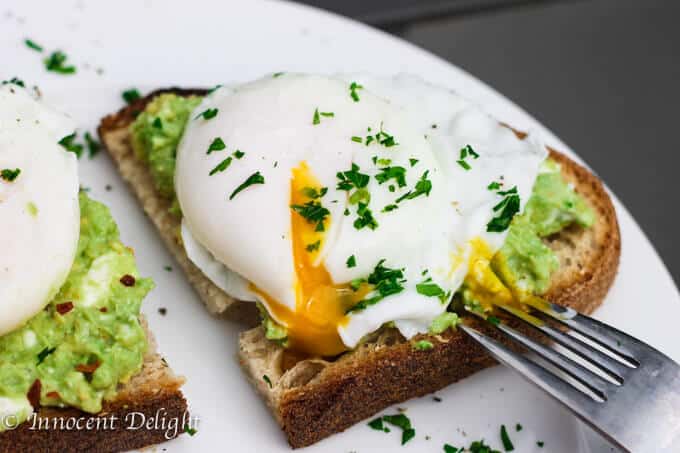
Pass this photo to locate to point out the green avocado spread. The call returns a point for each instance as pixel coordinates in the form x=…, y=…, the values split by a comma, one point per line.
x=88, y=339
x=523, y=263
x=156, y=132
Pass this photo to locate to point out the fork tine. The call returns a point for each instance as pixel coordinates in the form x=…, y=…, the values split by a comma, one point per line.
x=555, y=386
x=613, y=339
x=613, y=368
x=592, y=381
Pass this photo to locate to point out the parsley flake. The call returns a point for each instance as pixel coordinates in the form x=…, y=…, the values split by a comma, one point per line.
x=33, y=45
x=221, y=166
x=131, y=95
x=385, y=282
x=353, y=88
x=255, y=178
x=313, y=212
x=397, y=173
x=423, y=345
x=314, y=246
x=208, y=114
x=238, y=154
x=93, y=146
x=266, y=379
x=351, y=261
x=505, y=438
x=216, y=145
x=312, y=193
x=70, y=144
x=423, y=187
x=413, y=162
x=505, y=211
x=10, y=175
x=56, y=62
x=44, y=353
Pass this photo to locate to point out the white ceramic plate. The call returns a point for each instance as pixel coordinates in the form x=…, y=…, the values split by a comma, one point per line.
x=149, y=44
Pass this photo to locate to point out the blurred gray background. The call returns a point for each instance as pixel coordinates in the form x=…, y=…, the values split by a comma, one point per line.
x=604, y=75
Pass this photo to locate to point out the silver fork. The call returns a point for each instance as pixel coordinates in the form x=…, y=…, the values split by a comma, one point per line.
x=623, y=388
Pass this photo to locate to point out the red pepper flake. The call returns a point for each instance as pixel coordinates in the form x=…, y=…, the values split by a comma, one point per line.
x=127, y=280
x=88, y=368
x=33, y=394
x=103, y=309
x=53, y=395
x=64, y=308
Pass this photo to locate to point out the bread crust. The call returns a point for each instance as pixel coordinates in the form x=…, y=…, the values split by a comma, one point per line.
x=314, y=398
x=153, y=392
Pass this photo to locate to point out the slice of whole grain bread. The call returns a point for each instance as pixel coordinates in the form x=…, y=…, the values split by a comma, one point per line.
x=153, y=392
x=314, y=398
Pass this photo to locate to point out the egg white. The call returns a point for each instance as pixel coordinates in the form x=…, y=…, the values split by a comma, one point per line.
x=248, y=239
x=39, y=211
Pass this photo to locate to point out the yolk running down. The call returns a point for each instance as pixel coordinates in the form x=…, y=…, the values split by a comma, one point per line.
x=484, y=285
x=320, y=303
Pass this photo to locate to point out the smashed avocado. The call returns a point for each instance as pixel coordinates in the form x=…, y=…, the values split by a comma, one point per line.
x=524, y=262
x=88, y=339
x=156, y=132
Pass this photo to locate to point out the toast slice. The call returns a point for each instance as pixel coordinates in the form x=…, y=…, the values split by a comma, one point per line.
x=314, y=398
x=153, y=392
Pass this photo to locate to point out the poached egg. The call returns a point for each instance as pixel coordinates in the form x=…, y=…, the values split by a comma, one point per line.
x=39, y=211
x=344, y=203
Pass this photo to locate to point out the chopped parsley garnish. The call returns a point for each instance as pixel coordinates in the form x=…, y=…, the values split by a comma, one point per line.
x=494, y=186
x=56, y=62
x=352, y=179
x=365, y=218
x=505, y=211
x=430, y=289
x=238, y=154
x=314, y=246
x=540, y=444
x=479, y=446
x=44, y=353
x=313, y=212
x=221, y=166
x=357, y=139
x=451, y=449
x=397, y=173
x=278, y=74
x=255, y=178
x=377, y=424
x=208, y=114
x=316, y=119
x=33, y=45
x=14, y=81
x=385, y=282
x=314, y=194
x=216, y=145
x=464, y=164
x=131, y=95
x=70, y=144
x=167, y=268
x=518, y=427
x=157, y=123
x=10, y=175
x=493, y=320
x=353, y=88
x=466, y=152
x=413, y=161
x=389, y=208
x=385, y=139
x=93, y=146
x=190, y=431
x=266, y=379
x=403, y=422
x=423, y=187
x=423, y=345
x=351, y=261
x=507, y=443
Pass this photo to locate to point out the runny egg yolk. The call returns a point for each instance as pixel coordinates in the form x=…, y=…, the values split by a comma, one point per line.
x=481, y=282
x=320, y=303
